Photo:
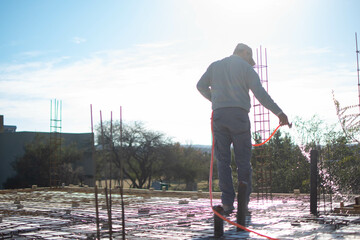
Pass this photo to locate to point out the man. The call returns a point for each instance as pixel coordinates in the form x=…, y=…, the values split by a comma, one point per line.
x=226, y=83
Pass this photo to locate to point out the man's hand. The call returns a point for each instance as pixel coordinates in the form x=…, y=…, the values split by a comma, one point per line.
x=283, y=120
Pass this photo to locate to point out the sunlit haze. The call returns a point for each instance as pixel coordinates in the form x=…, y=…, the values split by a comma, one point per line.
x=147, y=57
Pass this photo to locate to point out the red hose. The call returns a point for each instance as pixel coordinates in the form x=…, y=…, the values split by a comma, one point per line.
x=259, y=144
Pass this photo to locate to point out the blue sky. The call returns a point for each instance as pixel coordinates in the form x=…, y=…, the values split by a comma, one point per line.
x=147, y=56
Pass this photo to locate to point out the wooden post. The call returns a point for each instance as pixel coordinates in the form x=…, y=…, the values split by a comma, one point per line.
x=242, y=204
x=313, y=181
x=218, y=222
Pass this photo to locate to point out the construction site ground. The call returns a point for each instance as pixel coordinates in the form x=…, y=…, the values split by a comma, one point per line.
x=69, y=213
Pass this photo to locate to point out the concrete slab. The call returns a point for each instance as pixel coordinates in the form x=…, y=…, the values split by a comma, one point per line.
x=283, y=217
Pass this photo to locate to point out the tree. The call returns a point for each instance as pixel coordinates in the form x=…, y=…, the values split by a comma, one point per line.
x=290, y=169
x=33, y=167
x=186, y=163
x=149, y=155
x=142, y=154
x=341, y=164
x=140, y=150
x=339, y=158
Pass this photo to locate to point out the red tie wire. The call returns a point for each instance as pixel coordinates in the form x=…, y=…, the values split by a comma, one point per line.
x=210, y=185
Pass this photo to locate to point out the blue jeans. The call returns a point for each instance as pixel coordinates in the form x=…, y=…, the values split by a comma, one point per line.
x=232, y=126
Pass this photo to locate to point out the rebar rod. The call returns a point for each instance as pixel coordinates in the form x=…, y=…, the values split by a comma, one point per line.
x=95, y=185
x=122, y=179
x=110, y=167
x=106, y=179
x=357, y=69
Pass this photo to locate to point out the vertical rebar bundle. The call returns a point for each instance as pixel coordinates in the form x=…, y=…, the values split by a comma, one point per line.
x=55, y=141
x=348, y=119
x=108, y=153
x=261, y=114
x=263, y=171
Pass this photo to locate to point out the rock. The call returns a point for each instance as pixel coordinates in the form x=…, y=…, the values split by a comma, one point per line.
x=295, y=224
x=183, y=201
x=194, y=197
x=144, y=211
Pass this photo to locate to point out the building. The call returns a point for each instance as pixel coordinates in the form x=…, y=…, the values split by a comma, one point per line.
x=12, y=146
x=6, y=128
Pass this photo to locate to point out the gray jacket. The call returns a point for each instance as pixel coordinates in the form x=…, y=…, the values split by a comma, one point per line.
x=226, y=83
